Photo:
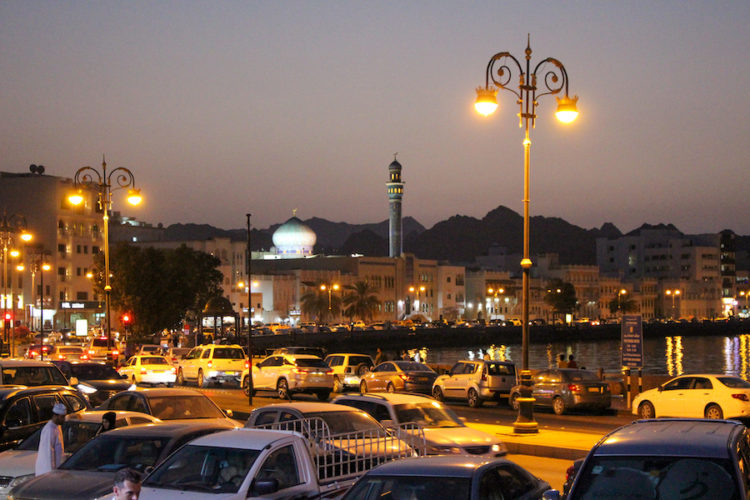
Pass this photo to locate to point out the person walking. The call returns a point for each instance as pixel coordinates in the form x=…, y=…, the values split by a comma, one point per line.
x=50, y=454
x=127, y=485
x=380, y=357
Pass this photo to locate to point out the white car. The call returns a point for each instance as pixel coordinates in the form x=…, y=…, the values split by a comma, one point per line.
x=444, y=432
x=696, y=396
x=287, y=374
x=147, y=369
x=17, y=465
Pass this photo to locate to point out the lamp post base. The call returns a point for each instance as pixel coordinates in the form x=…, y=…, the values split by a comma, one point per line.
x=525, y=423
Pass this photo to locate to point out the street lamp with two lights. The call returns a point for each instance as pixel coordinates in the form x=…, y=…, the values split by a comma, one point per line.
x=104, y=183
x=553, y=80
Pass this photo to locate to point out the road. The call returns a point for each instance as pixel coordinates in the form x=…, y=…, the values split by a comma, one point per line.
x=490, y=413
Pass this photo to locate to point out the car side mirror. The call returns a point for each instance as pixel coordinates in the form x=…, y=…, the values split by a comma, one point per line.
x=660, y=388
x=264, y=487
x=73, y=381
x=551, y=495
x=124, y=377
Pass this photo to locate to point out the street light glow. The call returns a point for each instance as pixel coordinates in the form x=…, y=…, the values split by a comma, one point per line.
x=567, y=110
x=486, y=102
x=76, y=198
x=134, y=197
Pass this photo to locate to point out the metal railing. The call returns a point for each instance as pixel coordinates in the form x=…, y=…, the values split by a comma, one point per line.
x=349, y=455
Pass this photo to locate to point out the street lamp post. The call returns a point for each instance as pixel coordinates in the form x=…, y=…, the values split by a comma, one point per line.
x=105, y=183
x=494, y=293
x=419, y=290
x=249, y=263
x=673, y=294
x=42, y=267
x=620, y=293
x=10, y=225
x=331, y=288
x=554, y=80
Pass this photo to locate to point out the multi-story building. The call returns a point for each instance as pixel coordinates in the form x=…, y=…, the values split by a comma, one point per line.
x=67, y=238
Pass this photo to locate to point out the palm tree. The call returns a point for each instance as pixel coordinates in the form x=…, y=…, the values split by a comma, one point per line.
x=315, y=302
x=361, y=301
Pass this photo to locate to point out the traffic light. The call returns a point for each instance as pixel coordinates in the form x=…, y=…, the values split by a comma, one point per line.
x=126, y=318
x=8, y=317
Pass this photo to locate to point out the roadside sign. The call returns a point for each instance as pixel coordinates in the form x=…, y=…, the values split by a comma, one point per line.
x=632, y=341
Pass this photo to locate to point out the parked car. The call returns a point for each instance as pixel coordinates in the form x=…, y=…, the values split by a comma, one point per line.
x=23, y=410
x=30, y=373
x=287, y=374
x=432, y=478
x=565, y=388
x=348, y=369
x=392, y=376
x=444, y=432
x=90, y=471
x=17, y=465
x=212, y=363
x=476, y=381
x=69, y=353
x=100, y=349
x=97, y=381
x=670, y=458
x=39, y=351
x=149, y=369
x=168, y=404
x=152, y=349
x=696, y=396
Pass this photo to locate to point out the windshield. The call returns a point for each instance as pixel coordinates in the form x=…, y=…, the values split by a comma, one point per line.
x=411, y=488
x=204, y=468
x=228, y=353
x=154, y=360
x=340, y=422
x=311, y=363
x=75, y=435
x=412, y=366
x=93, y=372
x=734, y=382
x=69, y=350
x=656, y=477
x=109, y=453
x=182, y=407
x=431, y=414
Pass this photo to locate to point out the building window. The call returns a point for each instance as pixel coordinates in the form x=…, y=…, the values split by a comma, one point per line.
x=78, y=248
x=448, y=279
x=61, y=248
x=94, y=249
x=62, y=295
x=82, y=295
x=61, y=271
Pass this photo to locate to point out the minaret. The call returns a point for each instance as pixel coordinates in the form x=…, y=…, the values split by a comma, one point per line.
x=395, y=193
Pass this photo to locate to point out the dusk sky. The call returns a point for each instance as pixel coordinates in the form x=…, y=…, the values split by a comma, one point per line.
x=222, y=108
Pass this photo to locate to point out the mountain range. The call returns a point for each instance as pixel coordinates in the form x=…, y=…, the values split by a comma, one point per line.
x=458, y=239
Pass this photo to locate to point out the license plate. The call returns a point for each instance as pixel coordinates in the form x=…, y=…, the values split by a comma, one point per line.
x=593, y=389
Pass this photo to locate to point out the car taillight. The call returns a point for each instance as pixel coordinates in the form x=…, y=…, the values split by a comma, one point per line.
x=115, y=353
x=61, y=357
x=91, y=352
x=247, y=365
x=143, y=371
x=174, y=370
x=84, y=356
x=297, y=370
x=403, y=376
x=741, y=396
x=329, y=371
x=210, y=363
x=570, y=473
x=574, y=388
x=33, y=354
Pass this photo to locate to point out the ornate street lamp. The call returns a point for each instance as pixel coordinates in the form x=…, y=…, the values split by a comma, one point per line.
x=673, y=294
x=552, y=80
x=105, y=183
x=10, y=226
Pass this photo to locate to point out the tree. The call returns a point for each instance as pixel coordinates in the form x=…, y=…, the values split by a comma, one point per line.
x=159, y=286
x=623, y=304
x=361, y=301
x=561, y=296
x=319, y=302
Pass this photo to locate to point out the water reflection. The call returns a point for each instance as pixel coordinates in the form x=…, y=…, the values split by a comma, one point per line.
x=674, y=356
x=667, y=355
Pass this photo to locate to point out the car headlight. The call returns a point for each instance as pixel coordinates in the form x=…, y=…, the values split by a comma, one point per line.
x=499, y=448
x=19, y=480
x=86, y=389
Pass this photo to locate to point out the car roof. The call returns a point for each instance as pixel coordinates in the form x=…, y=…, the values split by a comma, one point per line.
x=310, y=407
x=443, y=465
x=96, y=415
x=246, y=438
x=671, y=437
x=163, y=391
x=348, y=354
x=395, y=398
x=12, y=390
x=23, y=362
x=170, y=428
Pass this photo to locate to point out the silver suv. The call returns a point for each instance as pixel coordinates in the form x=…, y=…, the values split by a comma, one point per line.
x=476, y=381
x=287, y=374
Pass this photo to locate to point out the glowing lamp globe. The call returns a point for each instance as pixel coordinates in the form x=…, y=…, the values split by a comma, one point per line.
x=567, y=109
x=486, y=102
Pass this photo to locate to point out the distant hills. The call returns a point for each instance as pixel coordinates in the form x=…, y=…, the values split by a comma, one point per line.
x=458, y=239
